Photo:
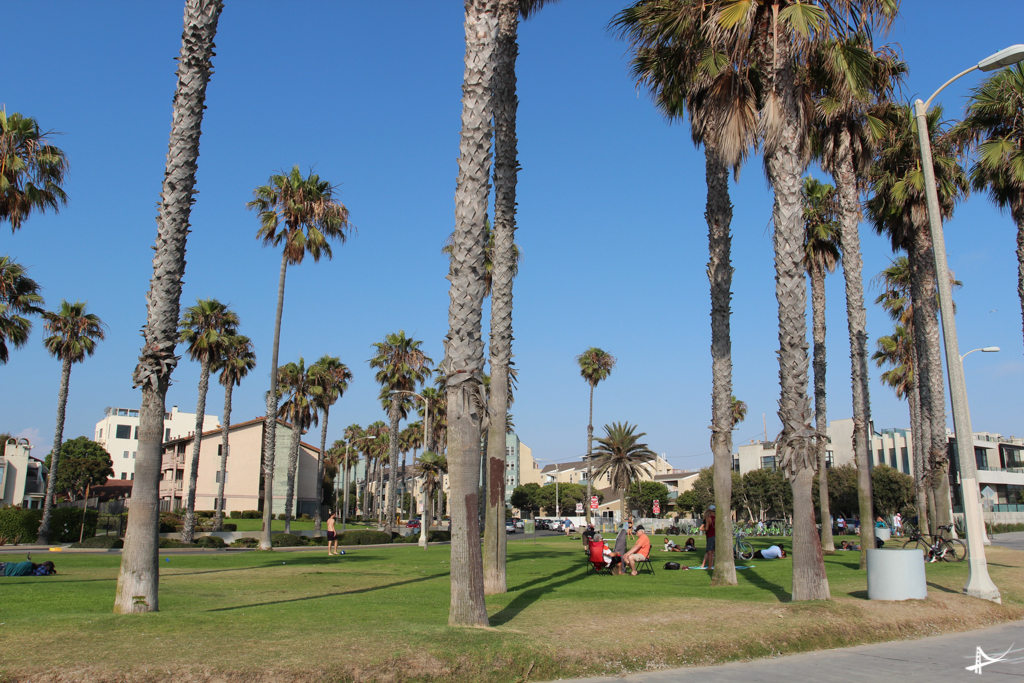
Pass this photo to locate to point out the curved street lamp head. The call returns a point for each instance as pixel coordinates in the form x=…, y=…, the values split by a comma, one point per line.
x=1005, y=57
x=990, y=349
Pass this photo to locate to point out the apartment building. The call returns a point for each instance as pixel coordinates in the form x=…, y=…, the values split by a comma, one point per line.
x=22, y=477
x=520, y=467
x=118, y=432
x=243, y=483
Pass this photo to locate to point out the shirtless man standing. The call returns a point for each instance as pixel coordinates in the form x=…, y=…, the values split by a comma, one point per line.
x=332, y=537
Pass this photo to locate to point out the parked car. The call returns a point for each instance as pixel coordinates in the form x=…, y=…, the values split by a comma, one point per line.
x=510, y=526
x=413, y=524
x=518, y=522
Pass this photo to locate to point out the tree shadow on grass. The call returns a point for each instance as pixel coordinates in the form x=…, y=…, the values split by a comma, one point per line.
x=331, y=595
x=761, y=582
x=527, y=596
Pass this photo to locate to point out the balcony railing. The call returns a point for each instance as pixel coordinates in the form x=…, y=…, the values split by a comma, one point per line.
x=168, y=488
x=169, y=462
x=35, y=487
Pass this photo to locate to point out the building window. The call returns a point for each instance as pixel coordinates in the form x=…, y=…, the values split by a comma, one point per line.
x=881, y=456
x=981, y=458
x=122, y=412
x=124, y=475
x=892, y=458
x=133, y=476
x=220, y=448
x=126, y=454
x=735, y=464
x=133, y=413
x=830, y=460
x=906, y=459
x=217, y=478
x=136, y=433
x=101, y=433
x=167, y=434
x=133, y=454
x=768, y=462
x=123, y=432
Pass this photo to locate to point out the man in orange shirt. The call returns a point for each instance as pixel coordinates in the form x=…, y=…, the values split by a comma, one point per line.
x=639, y=552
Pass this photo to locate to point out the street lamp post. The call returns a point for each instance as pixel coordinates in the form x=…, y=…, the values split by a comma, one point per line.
x=987, y=349
x=424, y=522
x=348, y=454
x=979, y=584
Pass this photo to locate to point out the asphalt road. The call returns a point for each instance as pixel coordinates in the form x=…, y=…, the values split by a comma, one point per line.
x=1013, y=540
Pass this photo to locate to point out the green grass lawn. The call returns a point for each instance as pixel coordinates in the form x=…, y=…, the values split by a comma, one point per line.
x=382, y=612
x=297, y=525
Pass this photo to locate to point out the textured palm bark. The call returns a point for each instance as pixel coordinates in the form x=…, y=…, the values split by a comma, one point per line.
x=506, y=164
x=58, y=439
x=225, y=438
x=929, y=354
x=590, y=447
x=270, y=421
x=320, y=470
x=464, y=358
x=828, y=545
x=380, y=499
x=293, y=463
x=188, y=530
x=138, y=580
x=718, y=214
x=917, y=427
x=856, y=321
x=795, y=445
x=1018, y=217
x=392, y=499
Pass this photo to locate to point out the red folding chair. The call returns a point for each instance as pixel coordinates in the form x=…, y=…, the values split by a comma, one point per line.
x=595, y=561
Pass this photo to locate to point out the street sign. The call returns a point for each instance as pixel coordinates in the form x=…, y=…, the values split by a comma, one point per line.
x=988, y=492
x=579, y=508
x=529, y=527
x=593, y=502
x=657, y=507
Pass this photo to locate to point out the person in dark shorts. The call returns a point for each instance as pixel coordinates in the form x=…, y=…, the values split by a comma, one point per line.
x=709, y=532
x=332, y=537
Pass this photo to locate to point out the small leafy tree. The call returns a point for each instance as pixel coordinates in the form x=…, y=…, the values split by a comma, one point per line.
x=642, y=495
x=893, y=490
x=524, y=498
x=83, y=463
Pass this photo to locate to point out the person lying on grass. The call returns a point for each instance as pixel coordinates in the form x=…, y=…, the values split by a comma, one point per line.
x=671, y=546
x=772, y=552
x=27, y=569
x=849, y=545
x=690, y=545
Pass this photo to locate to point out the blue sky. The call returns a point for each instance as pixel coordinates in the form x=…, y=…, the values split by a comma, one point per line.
x=611, y=201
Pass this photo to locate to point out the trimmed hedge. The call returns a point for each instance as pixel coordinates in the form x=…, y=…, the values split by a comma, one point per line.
x=363, y=537
x=287, y=540
x=247, y=542
x=210, y=542
x=100, y=542
x=65, y=524
x=246, y=514
x=171, y=543
x=1004, y=528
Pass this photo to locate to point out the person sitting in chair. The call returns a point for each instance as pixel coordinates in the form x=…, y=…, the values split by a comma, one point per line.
x=639, y=552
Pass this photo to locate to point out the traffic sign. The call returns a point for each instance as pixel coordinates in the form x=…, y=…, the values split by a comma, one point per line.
x=657, y=507
x=579, y=508
x=593, y=502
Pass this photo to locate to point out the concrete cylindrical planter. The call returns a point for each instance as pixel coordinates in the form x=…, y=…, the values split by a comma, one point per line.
x=896, y=575
x=883, y=533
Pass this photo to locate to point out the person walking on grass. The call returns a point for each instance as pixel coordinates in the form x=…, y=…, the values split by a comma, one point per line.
x=332, y=537
x=709, y=532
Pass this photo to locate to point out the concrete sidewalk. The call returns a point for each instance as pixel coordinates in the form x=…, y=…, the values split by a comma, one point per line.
x=908, y=661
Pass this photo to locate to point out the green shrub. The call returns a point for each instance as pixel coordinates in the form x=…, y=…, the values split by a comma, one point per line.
x=363, y=537
x=206, y=513
x=65, y=524
x=252, y=514
x=282, y=516
x=246, y=542
x=100, y=542
x=1004, y=528
x=439, y=536
x=304, y=517
x=169, y=522
x=317, y=540
x=210, y=542
x=172, y=543
x=235, y=514
x=18, y=524
x=287, y=540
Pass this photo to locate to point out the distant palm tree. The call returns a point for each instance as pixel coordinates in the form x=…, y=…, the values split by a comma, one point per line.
x=331, y=377
x=739, y=411
x=620, y=455
x=595, y=367
x=299, y=409
x=401, y=365
x=438, y=415
x=205, y=329
x=994, y=127
x=31, y=170
x=73, y=336
x=138, y=579
x=379, y=452
x=821, y=254
x=237, y=360
x=431, y=468
x=312, y=218
x=353, y=432
x=19, y=297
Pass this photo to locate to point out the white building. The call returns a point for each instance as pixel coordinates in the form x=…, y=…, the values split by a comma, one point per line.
x=118, y=432
x=22, y=477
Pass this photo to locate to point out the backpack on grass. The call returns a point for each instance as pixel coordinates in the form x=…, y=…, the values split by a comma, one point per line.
x=671, y=565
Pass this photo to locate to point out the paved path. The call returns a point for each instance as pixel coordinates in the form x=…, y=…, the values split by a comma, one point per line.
x=1014, y=539
x=942, y=658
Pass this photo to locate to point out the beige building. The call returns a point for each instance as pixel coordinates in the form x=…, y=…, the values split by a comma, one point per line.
x=22, y=477
x=244, y=479
x=118, y=432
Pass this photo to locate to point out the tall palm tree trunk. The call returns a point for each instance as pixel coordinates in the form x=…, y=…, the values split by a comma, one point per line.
x=392, y=493
x=218, y=520
x=506, y=167
x=828, y=546
x=380, y=499
x=189, y=527
x=138, y=580
x=293, y=462
x=1018, y=217
x=926, y=338
x=718, y=214
x=270, y=421
x=58, y=438
x=590, y=451
x=796, y=442
x=856, y=322
x=464, y=358
x=320, y=470
x=917, y=430
x=345, y=483
x=425, y=514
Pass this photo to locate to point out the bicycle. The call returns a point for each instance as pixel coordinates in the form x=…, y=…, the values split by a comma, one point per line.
x=946, y=549
x=741, y=550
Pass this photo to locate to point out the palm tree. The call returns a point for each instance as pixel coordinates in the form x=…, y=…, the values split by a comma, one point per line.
x=687, y=69
x=463, y=345
x=300, y=410
x=401, y=365
x=138, y=580
x=620, y=455
x=848, y=118
x=595, y=366
x=31, y=170
x=312, y=218
x=19, y=297
x=331, y=377
x=490, y=237
x=898, y=209
x=236, y=361
x=739, y=411
x=352, y=432
x=995, y=130
x=437, y=400
x=431, y=468
x=73, y=336
x=821, y=254
x=205, y=328
x=379, y=451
